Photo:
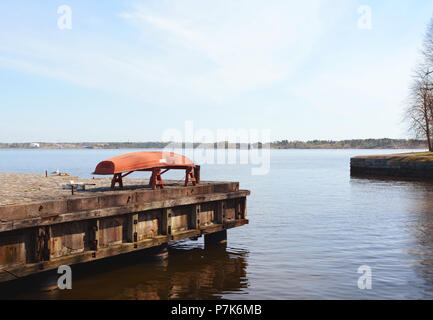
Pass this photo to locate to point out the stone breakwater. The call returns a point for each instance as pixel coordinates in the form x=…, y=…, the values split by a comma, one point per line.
x=393, y=166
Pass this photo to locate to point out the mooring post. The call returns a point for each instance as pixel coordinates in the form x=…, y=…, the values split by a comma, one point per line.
x=216, y=239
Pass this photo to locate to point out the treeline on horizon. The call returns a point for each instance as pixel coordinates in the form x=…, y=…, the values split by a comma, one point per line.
x=352, y=144
x=284, y=144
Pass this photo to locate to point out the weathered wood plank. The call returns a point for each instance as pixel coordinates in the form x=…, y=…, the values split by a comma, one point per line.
x=13, y=272
x=148, y=224
x=166, y=221
x=91, y=200
x=107, y=212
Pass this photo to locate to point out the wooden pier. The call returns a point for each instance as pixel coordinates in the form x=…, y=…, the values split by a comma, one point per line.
x=43, y=226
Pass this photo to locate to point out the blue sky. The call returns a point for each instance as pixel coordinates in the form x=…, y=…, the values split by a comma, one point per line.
x=128, y=70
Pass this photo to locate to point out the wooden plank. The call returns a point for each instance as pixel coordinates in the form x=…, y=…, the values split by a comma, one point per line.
x=106, y=199
x=111, y=231
x=99, y=213
x=207, y=214
x=7, y=276
x=67, y=238
x=148, y=224
x=20, y=271
x=180, y=218
x=184, y=235
x=12, y=248
x=87, y=256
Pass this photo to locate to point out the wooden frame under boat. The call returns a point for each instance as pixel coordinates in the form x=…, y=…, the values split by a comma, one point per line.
x=157, y=162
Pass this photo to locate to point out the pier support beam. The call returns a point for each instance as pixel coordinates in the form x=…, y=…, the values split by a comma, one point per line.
x=217, y=238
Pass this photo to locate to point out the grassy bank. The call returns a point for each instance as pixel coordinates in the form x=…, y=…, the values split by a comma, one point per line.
x=403, y=157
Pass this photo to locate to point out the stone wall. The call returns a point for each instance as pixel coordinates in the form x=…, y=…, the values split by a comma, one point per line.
x=388, y=167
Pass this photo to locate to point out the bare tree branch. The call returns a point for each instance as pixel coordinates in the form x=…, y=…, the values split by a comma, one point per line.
x=419, y=112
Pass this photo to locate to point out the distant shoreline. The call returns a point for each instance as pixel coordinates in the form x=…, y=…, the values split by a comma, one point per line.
x=361, y=144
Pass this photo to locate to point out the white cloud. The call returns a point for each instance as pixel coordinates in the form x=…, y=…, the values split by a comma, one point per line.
x=208, y=58
x=196, y=50
x=248, y=45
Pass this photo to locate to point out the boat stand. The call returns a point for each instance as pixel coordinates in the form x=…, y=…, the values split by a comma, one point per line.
x=156, y=179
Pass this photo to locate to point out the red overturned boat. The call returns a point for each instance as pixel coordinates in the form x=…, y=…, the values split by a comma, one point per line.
x=157, y=162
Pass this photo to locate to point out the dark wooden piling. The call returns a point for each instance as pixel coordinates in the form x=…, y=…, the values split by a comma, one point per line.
x=217, y=238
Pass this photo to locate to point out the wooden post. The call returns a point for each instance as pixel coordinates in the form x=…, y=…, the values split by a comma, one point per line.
x=166, y=221
x=133, y=233
x=117, y=178
x=219, y=214
x=190, y=177
x=94, y=235
x=32, y=246
x=44, y=243
x=195, y=217
x=243, y=208
x=237, y=209
x=197, y=174
x=217, y=238
x=156, y=179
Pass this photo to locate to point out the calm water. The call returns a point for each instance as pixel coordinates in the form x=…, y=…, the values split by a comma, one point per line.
x=311, y=228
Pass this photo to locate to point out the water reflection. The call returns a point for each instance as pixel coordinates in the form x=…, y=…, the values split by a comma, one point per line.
x=421, y=228
x=189, y=272
x=311, y=228
x=413, y=245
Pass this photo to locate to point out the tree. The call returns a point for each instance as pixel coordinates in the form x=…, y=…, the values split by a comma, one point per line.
x=427, y=51
x=420, y=109
x=419, y=112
